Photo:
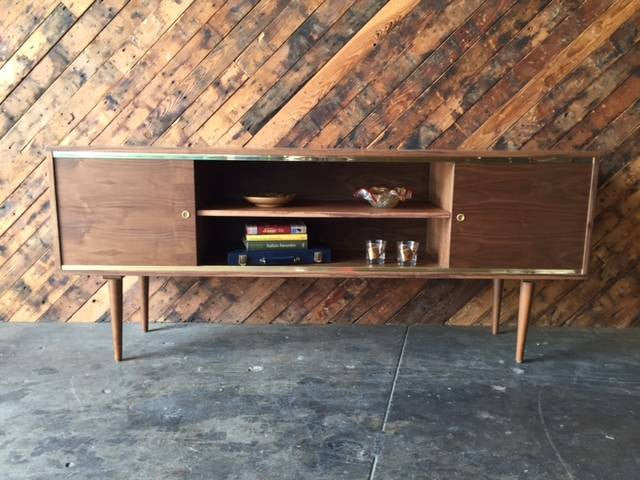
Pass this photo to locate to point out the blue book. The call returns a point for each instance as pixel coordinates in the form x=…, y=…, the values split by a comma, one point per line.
x=298, y=256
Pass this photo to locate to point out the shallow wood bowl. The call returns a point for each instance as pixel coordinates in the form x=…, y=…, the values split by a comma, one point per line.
x=270, y=200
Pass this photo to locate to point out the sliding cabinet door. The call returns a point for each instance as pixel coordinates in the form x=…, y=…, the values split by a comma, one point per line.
x=520, y=216
x=125, y=212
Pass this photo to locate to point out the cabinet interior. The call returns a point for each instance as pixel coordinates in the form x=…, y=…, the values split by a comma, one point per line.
x=325, y=203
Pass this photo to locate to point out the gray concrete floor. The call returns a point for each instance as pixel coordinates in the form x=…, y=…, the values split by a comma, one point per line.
x=337, y=402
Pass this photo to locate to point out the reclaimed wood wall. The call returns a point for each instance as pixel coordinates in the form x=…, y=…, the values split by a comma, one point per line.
x=483, y=74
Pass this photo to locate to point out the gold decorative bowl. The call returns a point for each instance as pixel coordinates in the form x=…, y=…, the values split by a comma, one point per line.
x=270, y=200
x=383, y=197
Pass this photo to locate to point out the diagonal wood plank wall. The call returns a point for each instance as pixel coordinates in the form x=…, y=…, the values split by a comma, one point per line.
x=483, y=74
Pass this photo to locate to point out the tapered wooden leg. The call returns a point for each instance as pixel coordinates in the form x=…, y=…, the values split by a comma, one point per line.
x=115, y=294
x=144, y=302
x=524, y=309
x=497, y=301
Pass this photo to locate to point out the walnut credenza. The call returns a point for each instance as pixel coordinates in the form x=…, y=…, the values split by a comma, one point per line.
x=483, y=215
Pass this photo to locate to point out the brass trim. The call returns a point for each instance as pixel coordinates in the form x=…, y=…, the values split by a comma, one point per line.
x=417, y=156
x=593, y=192
x=460, y=217
x=323, y=269
x=55, y=214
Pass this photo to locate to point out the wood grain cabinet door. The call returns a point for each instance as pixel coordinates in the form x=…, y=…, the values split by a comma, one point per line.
x=125, y=212
x=520, y=216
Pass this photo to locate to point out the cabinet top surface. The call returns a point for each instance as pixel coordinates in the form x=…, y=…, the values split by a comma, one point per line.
x=324, y=155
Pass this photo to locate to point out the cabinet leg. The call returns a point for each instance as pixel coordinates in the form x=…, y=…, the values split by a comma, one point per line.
x=524, y=310
x=497, y=301
x=115, y=294
x=144, y=302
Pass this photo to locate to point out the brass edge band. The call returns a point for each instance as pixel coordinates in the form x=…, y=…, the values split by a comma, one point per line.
x=319, y=269
x=253, y=157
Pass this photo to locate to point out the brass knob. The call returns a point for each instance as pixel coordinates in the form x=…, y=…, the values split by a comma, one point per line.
x=460, y=217
x=185, y=214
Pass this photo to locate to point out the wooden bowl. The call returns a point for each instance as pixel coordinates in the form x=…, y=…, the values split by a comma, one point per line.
x=270, y=200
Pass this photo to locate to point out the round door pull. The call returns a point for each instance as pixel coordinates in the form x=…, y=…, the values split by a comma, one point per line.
x=460, y=217
x=185, y=214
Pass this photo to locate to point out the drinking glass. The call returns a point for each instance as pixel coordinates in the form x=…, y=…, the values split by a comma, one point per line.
x=408, y=253
x=375, y=251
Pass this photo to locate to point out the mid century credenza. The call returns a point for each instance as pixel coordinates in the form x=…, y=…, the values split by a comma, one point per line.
x=480, y=215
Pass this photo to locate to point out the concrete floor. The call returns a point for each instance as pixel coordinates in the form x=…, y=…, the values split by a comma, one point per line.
x=236, y=402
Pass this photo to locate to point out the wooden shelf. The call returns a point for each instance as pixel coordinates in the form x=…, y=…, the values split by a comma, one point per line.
x=329, y=210
x=344, y=264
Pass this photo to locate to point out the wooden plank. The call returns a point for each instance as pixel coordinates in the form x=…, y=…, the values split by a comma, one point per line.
x=76, y=74
x=487, y=85
x=328, y=75
x=77, y=7
x=352, y=209
x=562, y=100
x=437, y=302
x=395, y=48
x=164, y=298
x=223, y=298
x=397, y=297
x=17, y=29
x=334, y=301
x=181, y=94
x=23, y=291
x=264, y=70
x=30, y=52
x=24, y=226
x=185, y=307
x=78, y=292
x=613, y=164
x=452, y=37
x=444, y=75
x=22, y=198
x=147, y=33
x=279, y=300
x=332, y=25
x=97, y=307
x=598, y=118
x=23, y=259
x=621, y=299
x=252, y=297
x=518, y=76
x=132, y=114
x=312, y=296
x=156, y=66
x=40, y=78
x=185, y=61
x=553, y=72
x=41, y=299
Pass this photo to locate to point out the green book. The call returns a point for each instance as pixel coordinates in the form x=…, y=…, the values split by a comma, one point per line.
x=296, y=244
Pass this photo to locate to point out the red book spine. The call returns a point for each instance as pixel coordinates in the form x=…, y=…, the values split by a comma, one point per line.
x=275, y=229
x=268, y=229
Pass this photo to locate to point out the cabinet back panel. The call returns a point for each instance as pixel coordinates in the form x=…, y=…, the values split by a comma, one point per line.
x=222, y=182
x=125, y=212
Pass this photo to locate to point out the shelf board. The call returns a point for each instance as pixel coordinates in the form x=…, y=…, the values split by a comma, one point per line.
x=329, y=210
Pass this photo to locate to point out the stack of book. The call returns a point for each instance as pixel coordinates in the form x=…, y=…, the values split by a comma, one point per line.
x=276, y=237
x=281, y=244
